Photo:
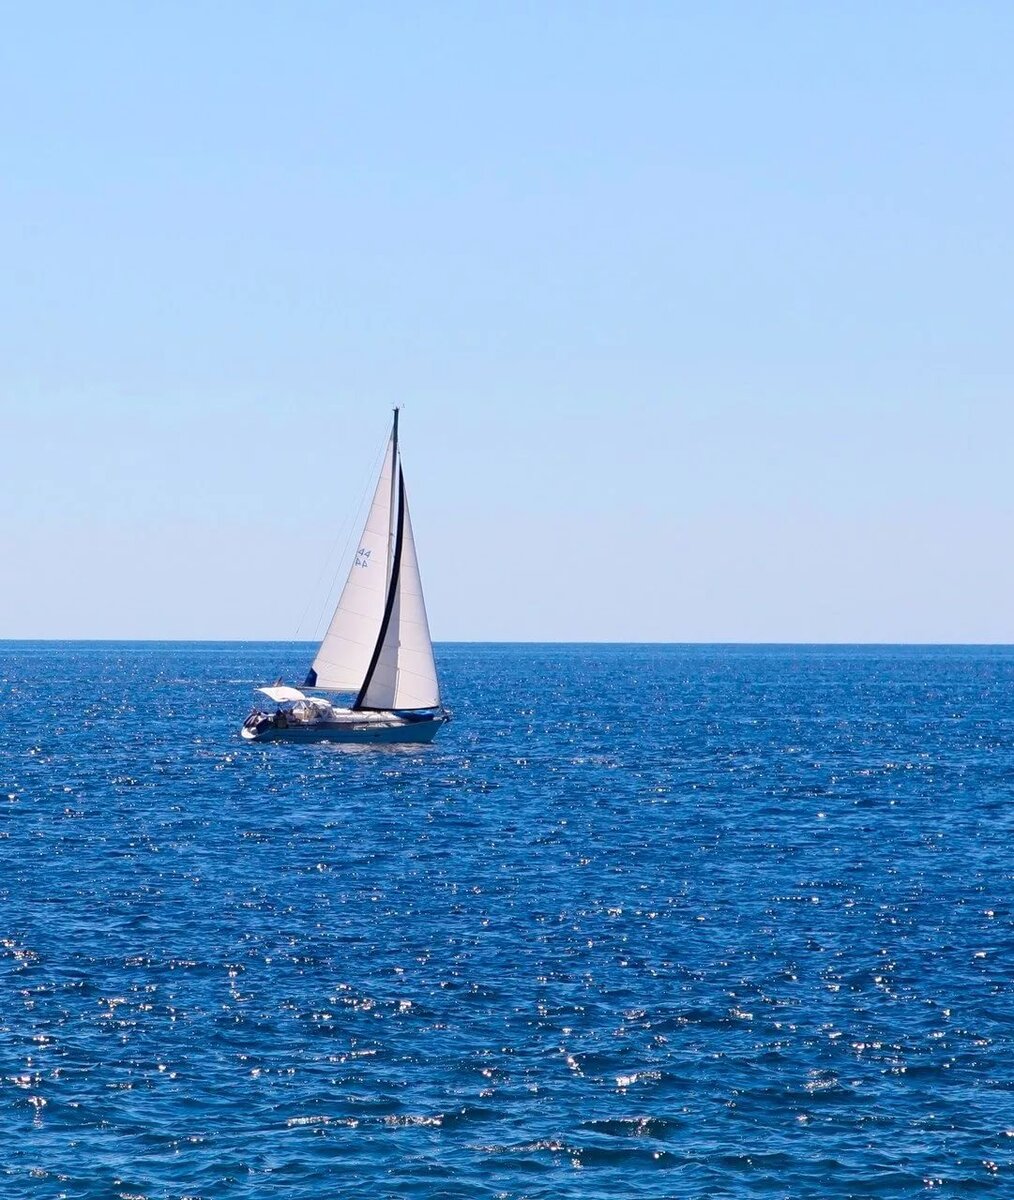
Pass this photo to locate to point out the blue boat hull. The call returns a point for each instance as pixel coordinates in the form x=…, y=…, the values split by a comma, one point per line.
x=417, y=730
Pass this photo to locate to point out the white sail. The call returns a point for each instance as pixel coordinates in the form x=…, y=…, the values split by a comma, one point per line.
x=345, y=653
x=405, y=675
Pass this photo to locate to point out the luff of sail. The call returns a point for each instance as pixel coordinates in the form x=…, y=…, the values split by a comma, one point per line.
x=402, y=672
x=344, y=655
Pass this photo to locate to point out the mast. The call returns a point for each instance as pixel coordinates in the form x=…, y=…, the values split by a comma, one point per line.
x=395, y=470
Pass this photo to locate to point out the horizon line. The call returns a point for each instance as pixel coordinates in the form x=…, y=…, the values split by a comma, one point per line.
x=182, y=641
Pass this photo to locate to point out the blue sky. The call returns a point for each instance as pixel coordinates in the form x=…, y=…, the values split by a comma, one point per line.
x=700, y=314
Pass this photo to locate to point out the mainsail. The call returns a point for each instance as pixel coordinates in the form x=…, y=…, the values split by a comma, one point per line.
x=378, y=643
x=402, y=673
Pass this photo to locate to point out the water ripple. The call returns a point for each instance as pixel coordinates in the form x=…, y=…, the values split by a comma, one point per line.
x=644, y=922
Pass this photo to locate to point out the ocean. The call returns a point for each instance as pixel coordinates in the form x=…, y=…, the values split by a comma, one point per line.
x=644, y=921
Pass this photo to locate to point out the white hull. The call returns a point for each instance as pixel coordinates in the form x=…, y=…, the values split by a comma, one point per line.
x=379, y=729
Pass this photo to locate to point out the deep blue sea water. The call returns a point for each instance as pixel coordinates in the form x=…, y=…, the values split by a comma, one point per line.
x=645, y=921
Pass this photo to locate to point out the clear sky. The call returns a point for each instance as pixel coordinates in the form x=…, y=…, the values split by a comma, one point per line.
x=701, y=315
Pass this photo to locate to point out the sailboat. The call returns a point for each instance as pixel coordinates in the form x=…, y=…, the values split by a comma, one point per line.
x=377, y=648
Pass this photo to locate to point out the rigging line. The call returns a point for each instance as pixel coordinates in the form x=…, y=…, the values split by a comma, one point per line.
x=350, y=525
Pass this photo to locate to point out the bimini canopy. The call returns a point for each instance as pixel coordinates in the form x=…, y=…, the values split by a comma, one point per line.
x=280, y=694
